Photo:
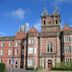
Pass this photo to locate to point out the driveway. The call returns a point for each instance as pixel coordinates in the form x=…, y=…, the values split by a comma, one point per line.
x=52, y=71
x=19, y=70
x=23, y=70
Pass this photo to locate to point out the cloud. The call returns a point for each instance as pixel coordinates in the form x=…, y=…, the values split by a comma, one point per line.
x=1, y=34
x=18, y=13
x=27, y=26
x=71, y=20
x=57, y=2
x=62, y=1
x=62, y=24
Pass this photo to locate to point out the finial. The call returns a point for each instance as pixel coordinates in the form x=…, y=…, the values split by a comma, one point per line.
x=66, y=25
x=44, y=12
x=44, y=5
x=56, y=10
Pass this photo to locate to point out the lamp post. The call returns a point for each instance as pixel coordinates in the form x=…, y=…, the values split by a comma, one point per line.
x=12, y=64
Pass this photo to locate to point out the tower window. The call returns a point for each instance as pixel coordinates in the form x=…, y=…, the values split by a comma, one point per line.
x=56, y=21
x=44, y=22
x=49, y=47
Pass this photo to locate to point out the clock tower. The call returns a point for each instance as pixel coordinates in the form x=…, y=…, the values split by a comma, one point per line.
x=49, y=38
x=50, y=23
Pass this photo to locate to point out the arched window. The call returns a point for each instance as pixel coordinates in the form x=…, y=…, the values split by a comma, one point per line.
x=49, y=47
x=56, y=22
x=44, y=22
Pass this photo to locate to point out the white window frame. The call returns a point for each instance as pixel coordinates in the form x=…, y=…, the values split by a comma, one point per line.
x=67, y=49
x=17, y=43
x=2, y=52
x=30, y=50
x=67, y=38
x=8, y=62
x=2, y=44
x=30, y=40
x=10, y=44
x=9, y=51
x=35, y=50
x=16, y=51
x=30, y=62
x=50, y=47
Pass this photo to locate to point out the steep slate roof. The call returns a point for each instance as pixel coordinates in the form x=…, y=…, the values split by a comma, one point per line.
x=4, y=38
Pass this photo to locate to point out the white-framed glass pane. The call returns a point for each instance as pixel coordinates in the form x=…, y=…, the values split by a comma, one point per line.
x=35, y=50
x=49, y=47
x=30, y=50
x=9, y=52
x=30, y=62
x=2, y=52
x=8, y=62
x=16, y=51
x=31, y=40
x=15, y=44
x=2, y=44
x=10, y=44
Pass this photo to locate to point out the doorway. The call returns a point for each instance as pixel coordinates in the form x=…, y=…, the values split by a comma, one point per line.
x=49, y=64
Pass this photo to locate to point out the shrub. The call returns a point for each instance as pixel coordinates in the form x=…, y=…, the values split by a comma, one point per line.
x=40, y=68
x=2, y=67
x=62, y=67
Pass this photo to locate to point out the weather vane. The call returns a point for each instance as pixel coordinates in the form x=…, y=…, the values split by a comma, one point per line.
x=56, y=8
x=44, y=4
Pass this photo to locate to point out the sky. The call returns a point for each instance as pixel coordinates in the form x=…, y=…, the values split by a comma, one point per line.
x=14, y=13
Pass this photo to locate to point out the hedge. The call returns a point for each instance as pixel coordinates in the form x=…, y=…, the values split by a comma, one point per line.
x=62, y=68
x=2, y=67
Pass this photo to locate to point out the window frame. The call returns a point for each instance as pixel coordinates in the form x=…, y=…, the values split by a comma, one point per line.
x=49, y=47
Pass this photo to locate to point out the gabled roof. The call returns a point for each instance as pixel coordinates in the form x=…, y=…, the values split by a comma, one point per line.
x=33, y=30
x=20, y=35
x=66, y=27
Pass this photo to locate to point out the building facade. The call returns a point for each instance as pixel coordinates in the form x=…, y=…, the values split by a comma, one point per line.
x=32, y=49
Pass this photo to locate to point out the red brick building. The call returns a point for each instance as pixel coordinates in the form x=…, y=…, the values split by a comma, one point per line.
x=66, y=44
x=32, y=49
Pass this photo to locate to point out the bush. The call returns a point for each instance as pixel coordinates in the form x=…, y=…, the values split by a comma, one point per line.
x=40, y=68
x=62, y=67
x=2, y=67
